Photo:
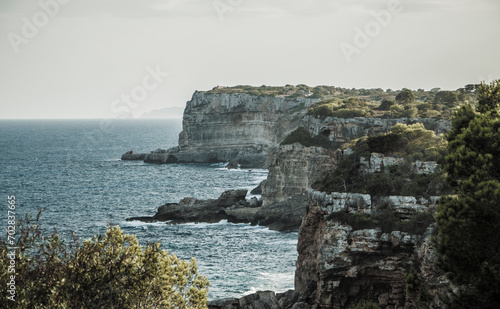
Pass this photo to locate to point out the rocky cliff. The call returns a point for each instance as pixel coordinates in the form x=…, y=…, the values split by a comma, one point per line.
x=341, y=262
x=220, y=127
x=294, y=168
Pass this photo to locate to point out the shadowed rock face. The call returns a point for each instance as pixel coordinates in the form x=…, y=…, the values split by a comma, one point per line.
x=293, y=169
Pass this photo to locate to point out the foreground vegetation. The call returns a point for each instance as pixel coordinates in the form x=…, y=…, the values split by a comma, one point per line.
x=110, y=271
x=468, y=244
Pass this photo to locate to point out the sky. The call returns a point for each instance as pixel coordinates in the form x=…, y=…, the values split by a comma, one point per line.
x=124, y=58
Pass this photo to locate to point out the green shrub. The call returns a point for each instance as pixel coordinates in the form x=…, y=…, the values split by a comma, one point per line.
x=110, y=271
x=424, y=106
x=386, y=105
x=347, y=108
x=404, y=140
x=417, y=288
x=348, y=113
x=410, y=113
x=323, y=110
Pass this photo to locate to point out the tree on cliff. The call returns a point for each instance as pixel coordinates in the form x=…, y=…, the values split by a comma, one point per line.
x=468, y=244
x=111, y=271
x=405, y=96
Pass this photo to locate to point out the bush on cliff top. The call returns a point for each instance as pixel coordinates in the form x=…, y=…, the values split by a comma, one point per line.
x=111, y=271
x=413, y=142
x=405, y=140
x=347, y=108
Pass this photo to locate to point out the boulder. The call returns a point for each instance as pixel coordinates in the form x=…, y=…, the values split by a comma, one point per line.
x=231, y=197
x=233, y=164
x=131, y=156
x=260, y=300
x=224, y=303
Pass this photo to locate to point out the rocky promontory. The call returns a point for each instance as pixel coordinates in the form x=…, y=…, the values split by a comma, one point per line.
x=220, y=127
x=132, y=156
x=231, y=205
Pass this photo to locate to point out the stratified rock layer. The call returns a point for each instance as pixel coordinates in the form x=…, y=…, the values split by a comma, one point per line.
x=293, y=169
x=222, y=127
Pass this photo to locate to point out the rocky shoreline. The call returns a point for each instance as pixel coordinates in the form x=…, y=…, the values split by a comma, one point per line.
x=231, y=206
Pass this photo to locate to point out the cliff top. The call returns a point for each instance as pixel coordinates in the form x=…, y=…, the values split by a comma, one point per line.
x=348, y=103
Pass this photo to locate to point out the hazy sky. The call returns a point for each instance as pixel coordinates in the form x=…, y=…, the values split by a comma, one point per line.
x=102, y=58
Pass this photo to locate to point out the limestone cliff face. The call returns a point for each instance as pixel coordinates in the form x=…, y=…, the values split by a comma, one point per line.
x=339, y=265
x=342, y=130
x=293, y=169
x=221, y=127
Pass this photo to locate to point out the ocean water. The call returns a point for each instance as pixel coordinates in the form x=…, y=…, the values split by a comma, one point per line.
x=72, y=170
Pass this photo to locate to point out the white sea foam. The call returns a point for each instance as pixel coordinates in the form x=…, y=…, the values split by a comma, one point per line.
x=137, y=223
x=277, y=282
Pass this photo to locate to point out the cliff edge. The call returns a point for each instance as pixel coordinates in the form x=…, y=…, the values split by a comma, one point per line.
x=220, y=127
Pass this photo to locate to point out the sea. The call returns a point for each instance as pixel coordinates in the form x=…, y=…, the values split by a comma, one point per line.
x=71, y=169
